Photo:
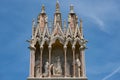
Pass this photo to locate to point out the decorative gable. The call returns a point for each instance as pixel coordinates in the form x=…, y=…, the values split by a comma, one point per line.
x=57, y=31
x=77, y=32
x=69, y=33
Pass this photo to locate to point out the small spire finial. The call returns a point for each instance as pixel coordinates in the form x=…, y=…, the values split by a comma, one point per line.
x=65, y=26
x=43, y=9
x=71, y=8
x=76, y=19
x=57, y=6
x=81, y=27
x=33, y=22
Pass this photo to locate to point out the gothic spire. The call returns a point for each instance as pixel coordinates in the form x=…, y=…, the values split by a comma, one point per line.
x=57, y=15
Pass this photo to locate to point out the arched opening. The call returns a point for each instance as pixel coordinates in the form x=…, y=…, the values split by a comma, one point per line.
x=45, y=56
x=77, y=60
x=37, y=60
x=69, y=61
x=57, y=58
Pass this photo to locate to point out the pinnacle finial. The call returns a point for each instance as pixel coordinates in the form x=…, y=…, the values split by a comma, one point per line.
x=71, y=8
x=57, y=6
x=43, y=9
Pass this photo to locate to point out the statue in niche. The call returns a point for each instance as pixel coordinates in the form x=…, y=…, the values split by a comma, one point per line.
x=78, y=63
x=57, y=69
x=37, y=68
x=46, y=67
x=67, y=69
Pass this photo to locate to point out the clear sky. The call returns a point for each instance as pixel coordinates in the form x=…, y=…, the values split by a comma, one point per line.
x=101, y=23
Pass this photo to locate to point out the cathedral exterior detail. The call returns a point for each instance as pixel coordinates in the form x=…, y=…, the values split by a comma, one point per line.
x=57, y=52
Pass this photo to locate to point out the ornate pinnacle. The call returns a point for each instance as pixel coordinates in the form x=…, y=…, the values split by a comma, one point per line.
x=65, y=26
x=71, y=8
x=57, y=7
x=81, y=27
x=43, y=9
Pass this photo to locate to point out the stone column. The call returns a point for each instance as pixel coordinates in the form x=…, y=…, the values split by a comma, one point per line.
x=83, y=71
x=49, y=60
x=32, y=61
x=41, y=52
x=73, y=48
x=65, y=48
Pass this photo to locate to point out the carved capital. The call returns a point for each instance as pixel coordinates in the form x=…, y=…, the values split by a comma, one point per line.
x=73, y=47
x=65, y=47
x=49, y=46
x=41, y=47
x=82, y=47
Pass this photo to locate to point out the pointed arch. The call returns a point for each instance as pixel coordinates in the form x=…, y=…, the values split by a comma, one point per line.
x=59, y=38
x=45, y=40
x=37, y=59
x=68, y=40
x=69, y=58
x=77, y=40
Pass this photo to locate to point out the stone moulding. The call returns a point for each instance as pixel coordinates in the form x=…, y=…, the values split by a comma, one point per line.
x=58, y=78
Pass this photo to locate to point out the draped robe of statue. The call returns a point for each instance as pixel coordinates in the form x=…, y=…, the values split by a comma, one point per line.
x=57, y=69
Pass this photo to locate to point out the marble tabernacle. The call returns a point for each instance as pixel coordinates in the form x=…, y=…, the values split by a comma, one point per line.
x=56, y=50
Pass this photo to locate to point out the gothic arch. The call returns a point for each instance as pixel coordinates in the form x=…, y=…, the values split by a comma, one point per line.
x=77, y=40
x=45, y=55
x=45, y=40
x=37, y=59
x=69, y=59
x=59, y=38
x=57, y=51
x=68, y=40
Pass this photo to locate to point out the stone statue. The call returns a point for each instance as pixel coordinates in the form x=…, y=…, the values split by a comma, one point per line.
x=57, y=69
x=78, y=66
x=37, y=68
x=67, y=69
x=46, y=67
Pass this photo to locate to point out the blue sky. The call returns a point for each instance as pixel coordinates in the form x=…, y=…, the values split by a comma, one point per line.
x=101, y=23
